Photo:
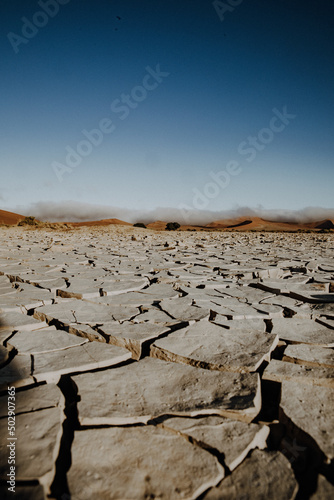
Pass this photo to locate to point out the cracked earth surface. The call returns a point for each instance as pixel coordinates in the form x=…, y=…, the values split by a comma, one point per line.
x=167, y=365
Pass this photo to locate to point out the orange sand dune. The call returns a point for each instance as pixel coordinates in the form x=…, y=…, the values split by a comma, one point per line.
x=323, y=224
x=257, y=224
x=158, y=225
x=242, y=223
x=10, y=217
x=226, y=223
x=103, y=222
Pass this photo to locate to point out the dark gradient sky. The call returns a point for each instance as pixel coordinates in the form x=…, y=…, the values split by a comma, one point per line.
x=225, y=78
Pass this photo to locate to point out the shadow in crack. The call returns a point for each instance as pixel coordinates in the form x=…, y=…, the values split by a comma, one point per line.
x=18, y=401
x=325, y=298
x=15, y=374
x=59, y=487
x=7, y=402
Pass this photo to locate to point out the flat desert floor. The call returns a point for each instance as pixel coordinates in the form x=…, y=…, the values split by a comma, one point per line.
x=166, y=365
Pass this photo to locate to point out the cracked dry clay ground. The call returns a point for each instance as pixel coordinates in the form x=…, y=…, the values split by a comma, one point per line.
x=167, y=365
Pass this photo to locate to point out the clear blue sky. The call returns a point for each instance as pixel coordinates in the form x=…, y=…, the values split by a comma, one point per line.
x=227, y=68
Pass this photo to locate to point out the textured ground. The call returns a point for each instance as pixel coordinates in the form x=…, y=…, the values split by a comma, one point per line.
x=167, y=365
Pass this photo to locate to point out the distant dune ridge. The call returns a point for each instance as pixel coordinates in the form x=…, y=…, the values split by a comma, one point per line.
x=325, y=224
x=103, y=222
x=257, y=223
x=10, y=218
x=241, y=223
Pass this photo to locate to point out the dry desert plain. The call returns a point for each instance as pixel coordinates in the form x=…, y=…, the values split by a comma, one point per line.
x=167, y=365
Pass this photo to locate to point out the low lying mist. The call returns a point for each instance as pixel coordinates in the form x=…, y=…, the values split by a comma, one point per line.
x=73, y=211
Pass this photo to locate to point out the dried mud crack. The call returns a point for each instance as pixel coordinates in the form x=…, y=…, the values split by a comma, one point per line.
x=147, y=367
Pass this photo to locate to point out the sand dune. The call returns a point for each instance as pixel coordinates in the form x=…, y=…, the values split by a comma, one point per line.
x=158, y=225
x=254, y=223
x=324, y=224
x=103, y=222
x=10, y=217
x=258, y=224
